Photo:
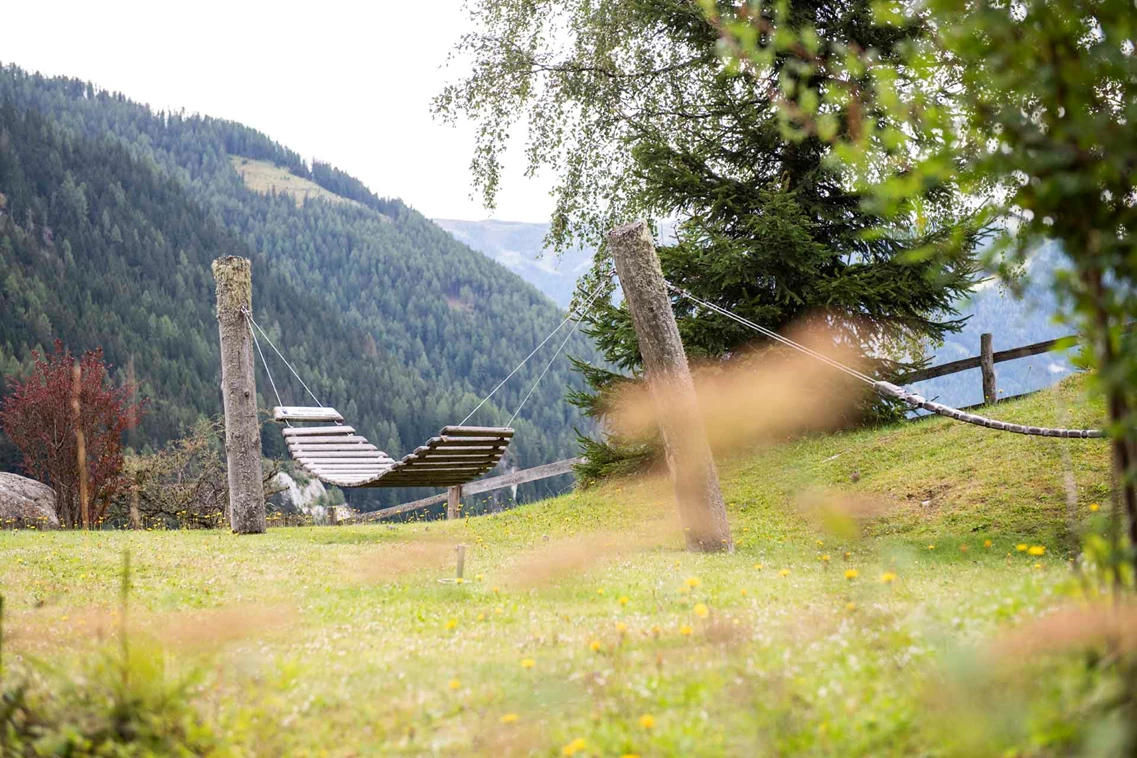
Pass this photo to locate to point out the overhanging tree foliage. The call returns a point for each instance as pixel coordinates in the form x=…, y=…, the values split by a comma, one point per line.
x=631, y=103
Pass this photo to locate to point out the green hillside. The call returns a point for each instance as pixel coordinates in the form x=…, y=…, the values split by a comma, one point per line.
x=113, y=212
x=584, y=628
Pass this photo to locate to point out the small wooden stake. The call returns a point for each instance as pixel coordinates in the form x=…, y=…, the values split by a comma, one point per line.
x=461, y=561
x=987, y=367
x=454, y=502
x=239, y=392
x=701, y=508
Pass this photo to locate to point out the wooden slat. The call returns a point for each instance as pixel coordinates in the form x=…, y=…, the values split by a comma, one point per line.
x=295, y=449
x=454, y=458
x=343, y=439
x=466, y=441
x=303, y=431
x=305, y=413
x=476, y=431
x=371, y=454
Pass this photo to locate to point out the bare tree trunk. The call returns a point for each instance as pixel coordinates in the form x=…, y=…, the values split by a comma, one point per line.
x=701, y=508
x=239, y=392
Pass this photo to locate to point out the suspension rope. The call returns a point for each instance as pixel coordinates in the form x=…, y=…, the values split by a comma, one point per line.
x=265, y=364
x=550, y=363
x=772, y=335
x=525, y=360
x=249, y=316
x=888, y=390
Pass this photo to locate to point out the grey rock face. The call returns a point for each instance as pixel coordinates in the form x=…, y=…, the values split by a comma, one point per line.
x=25, y=502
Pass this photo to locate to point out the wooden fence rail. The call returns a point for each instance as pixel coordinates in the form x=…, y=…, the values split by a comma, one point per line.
x=976, y=361
x=546, y=471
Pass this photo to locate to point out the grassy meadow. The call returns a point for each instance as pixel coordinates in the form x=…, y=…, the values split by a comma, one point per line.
x=877, y=604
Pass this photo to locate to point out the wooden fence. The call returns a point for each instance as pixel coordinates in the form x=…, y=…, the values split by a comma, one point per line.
x=513, y=479
x=985, y=361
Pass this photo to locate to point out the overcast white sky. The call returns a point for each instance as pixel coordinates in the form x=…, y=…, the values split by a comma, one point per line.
x=346, y=82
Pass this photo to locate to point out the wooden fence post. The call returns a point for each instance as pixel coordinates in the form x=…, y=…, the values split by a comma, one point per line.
x=987, y=366
x=701, y=508
x=454, y=502
x=239, y=393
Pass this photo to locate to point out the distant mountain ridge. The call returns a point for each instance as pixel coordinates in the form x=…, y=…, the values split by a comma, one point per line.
x=112, y=213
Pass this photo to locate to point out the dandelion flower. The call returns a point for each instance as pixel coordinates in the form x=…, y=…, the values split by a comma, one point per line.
x=931, y=547
x=600, y=591
x=1038, y=565
x=702, y=611
x=509, y=718
x=693, y=581
x=784, y=572
x=685, y=630
x=987, y=543
x=1094, y=507
x=744, y=592
x=820, y=543
x=455, y=684
x=595, y=646
x=851, y=574
x=623, y=600
x=850, y=606
x=1037, y=550
x=758, y=566
x=499, y=610
x=621, y=627
x=888, y=577
x=574, y=747
x=1022, y=547
x=825, y=559
x=459, y=580
x=647, y=721
x=451, y=623
x=480, y=577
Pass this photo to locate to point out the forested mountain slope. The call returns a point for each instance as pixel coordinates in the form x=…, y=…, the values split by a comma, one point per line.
x=119, y=210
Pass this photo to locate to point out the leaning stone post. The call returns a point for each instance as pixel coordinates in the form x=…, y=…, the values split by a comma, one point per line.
x=239, y=393
x=701, y=508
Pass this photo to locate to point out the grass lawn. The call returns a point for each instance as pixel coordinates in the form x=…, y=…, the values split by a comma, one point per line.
x=584, y=628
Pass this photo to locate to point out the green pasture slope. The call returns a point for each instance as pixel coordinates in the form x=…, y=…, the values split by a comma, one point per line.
x=583, y=628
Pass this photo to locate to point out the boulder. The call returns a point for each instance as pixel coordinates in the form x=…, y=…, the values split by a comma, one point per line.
x=25, y=502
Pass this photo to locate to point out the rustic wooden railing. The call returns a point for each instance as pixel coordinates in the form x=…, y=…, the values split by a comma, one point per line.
x=985, y=361
x=546, y=471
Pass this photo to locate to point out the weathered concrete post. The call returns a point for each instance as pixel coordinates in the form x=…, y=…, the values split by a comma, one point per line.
x=454, y=502
x=987, y=367
x=239, y=393
x=701, y=508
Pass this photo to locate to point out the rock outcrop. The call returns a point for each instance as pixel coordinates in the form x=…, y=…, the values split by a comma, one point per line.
x=26, y=503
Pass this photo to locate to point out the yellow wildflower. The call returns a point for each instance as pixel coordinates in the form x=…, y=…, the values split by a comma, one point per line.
x=595, y=646
x=987, y=543
x=758, y=566
x=888, y=577
x=1022, y=547
x=850, y=606
x=509, y=718
x=685, y=630
x=451, y=623
x=931, y=547
x=851, y=574
x=574, y=747
x=693, y=581
x=647, y=721
x=623, y=600
x=455, y=684
x=1094, y=507
x=825, y=559
x=621, y=627
x=784, y=572
x=744, y=592
x=528, y=663
x=1036, y=550
x=702, y=611
x=600, y=591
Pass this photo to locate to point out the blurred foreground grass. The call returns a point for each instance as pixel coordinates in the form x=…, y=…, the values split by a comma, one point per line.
x=584, y=628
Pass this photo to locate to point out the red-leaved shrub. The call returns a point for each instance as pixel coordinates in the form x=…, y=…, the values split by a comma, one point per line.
x=39, y=419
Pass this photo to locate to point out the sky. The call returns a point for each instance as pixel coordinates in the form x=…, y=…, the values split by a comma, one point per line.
x=349, y=83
